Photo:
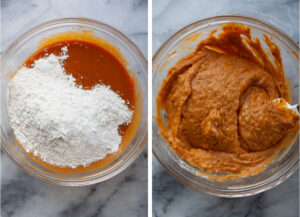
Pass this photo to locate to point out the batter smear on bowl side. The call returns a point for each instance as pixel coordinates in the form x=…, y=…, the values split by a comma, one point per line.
x=71, y=103
x=219, y=104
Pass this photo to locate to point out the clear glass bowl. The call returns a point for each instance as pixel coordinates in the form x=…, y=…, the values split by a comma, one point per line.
x=26, y=45
x=183, y=42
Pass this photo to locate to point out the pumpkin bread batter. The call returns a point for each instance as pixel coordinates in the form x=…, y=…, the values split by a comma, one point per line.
x=219, y=107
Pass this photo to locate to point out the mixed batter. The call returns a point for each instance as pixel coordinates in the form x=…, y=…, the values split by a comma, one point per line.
x=219, y=107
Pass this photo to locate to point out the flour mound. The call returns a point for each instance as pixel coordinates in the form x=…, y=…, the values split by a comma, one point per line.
x=60, y=122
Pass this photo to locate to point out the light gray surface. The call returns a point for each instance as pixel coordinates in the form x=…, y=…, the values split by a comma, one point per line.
x=124, y=195
x=170, y=197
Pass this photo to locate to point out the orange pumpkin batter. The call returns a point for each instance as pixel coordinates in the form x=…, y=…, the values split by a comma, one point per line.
x=219, y=107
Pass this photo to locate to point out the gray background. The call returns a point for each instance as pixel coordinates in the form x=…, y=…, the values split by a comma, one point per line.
x=173, y=199
x=124, y=195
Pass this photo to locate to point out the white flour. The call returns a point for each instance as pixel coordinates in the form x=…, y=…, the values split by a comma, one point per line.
x=59, y=121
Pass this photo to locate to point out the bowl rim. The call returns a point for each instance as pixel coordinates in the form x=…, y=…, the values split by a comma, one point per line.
x=219, y=18
x=126, y=160
x=178, y=175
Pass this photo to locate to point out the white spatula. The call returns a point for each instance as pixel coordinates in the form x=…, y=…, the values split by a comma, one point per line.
x=293, y=107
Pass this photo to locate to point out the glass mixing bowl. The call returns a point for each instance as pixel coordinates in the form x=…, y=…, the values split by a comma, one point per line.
x=185, y=41
x=27, y=44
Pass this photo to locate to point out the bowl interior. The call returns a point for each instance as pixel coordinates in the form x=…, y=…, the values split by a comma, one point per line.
x=183, y=43
x=26, y=45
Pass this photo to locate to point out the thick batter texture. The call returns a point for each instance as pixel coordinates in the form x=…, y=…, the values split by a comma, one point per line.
x=220, y=111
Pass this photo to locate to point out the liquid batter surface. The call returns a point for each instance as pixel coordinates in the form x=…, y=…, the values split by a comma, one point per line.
x=219, y=107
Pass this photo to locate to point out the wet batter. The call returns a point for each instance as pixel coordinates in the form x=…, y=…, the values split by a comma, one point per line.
x=219, y=107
